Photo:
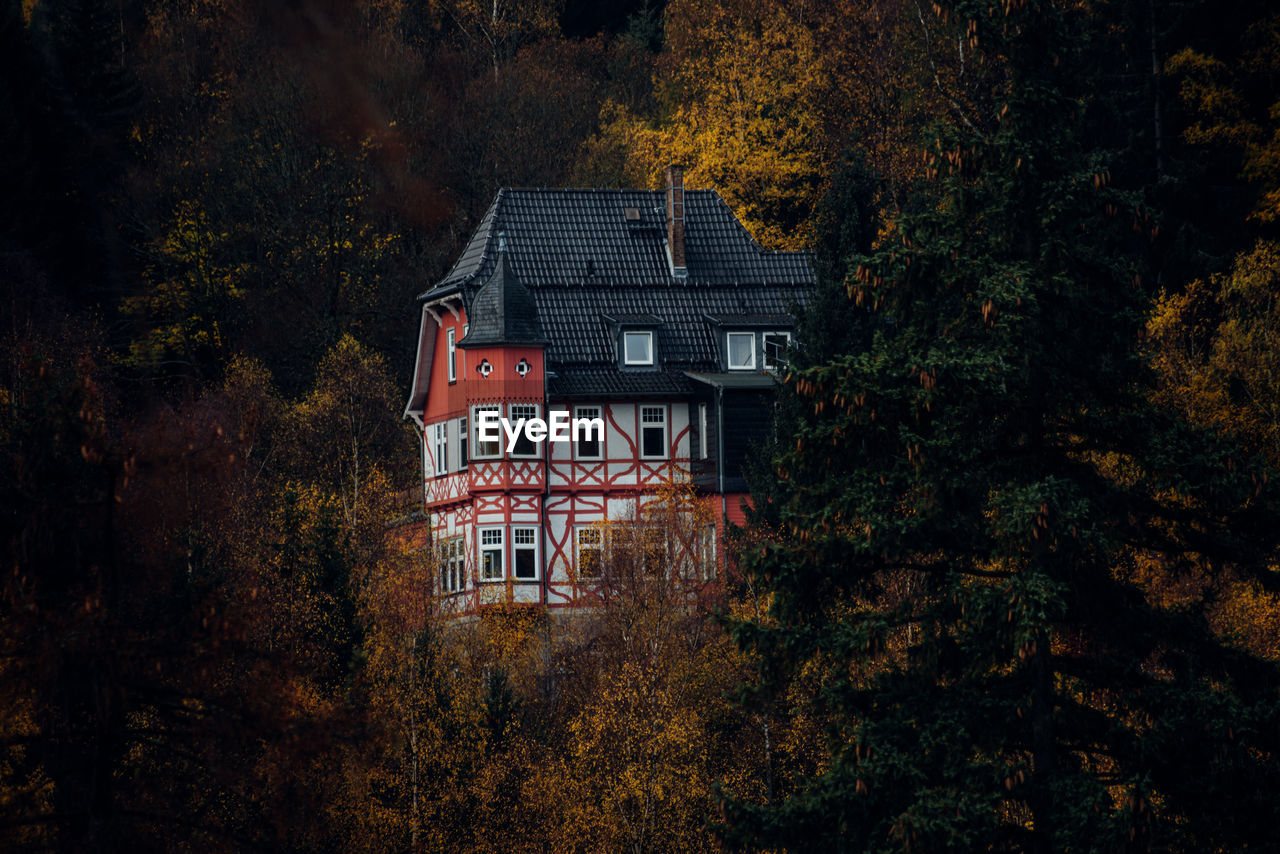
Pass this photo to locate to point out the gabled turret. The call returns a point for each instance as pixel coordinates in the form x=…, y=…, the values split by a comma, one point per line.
x=505, y=359
x=503, y=311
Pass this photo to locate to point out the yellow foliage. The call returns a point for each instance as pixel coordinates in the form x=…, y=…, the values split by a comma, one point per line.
x=345, y=430
x=1217, y=350
x=746, y=124
x=759, y=101
x=517, y=730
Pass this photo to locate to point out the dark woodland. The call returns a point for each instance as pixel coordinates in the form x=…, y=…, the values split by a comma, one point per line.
x=1011, y=582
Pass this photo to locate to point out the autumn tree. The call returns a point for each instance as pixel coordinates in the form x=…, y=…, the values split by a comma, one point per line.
x=761, y=101
x=637, y=713
x=320, y=164
x=406, y=784
x=1213, y=339
x=523, y=730
x=966, y=503
x=1223, y=84
x=1218, y=350
x=180, y=631
x=344, y=436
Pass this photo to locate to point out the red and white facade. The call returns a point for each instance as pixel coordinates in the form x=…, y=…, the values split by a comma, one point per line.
x=513, y=526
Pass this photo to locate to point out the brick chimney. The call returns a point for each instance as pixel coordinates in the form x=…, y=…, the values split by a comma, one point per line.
x=675, y=220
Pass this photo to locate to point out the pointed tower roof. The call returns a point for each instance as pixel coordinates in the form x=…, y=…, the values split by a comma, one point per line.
x=503, y=311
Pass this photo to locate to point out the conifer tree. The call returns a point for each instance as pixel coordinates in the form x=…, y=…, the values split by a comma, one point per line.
x=970, y=507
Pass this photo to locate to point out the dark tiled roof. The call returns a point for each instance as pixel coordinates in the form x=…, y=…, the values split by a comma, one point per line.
x=783, y=320
x=574, y=237
x=634, y=319
x=612, y=382
x=503, y=311
x=588, y=270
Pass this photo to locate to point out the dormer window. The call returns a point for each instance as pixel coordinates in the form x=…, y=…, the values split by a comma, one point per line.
x=741, y=351
x=637, y=348
x=775, y=349
x=636, y=339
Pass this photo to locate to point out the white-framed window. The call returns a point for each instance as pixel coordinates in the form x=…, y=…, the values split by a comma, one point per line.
x=590, y=551
x=487, y=450
x=702, y=431
x=440, y=447
x=491, y=564
x=590, y=444
x=637, y=347
x=462, y=442
x=453, y=578
x=741, y=351
x=525, y=447
x=775, y=346
x=653, y=432
x=524, y=545
x=450, y=338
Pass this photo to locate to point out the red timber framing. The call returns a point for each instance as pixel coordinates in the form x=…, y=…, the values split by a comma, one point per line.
x=558, y=492
x=482, y=502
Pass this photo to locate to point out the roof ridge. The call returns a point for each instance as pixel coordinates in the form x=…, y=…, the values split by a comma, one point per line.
x=490, y=216
x=515, y=189
x=584, y=235
x=590, y=190
x=751, y=237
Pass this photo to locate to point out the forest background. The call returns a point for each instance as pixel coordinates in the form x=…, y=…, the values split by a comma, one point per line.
x=216, y=215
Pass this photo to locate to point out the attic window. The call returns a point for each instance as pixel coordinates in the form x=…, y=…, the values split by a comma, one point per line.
x=637, y=348
x=775, y=349
x=742, y=351
x=631, y=214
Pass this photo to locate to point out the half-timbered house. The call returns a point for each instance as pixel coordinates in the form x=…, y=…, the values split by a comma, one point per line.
x=654, y=312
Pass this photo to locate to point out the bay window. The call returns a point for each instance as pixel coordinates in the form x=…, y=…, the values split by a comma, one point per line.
x=491, y=549
x=524, y=447
x=491, y=449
